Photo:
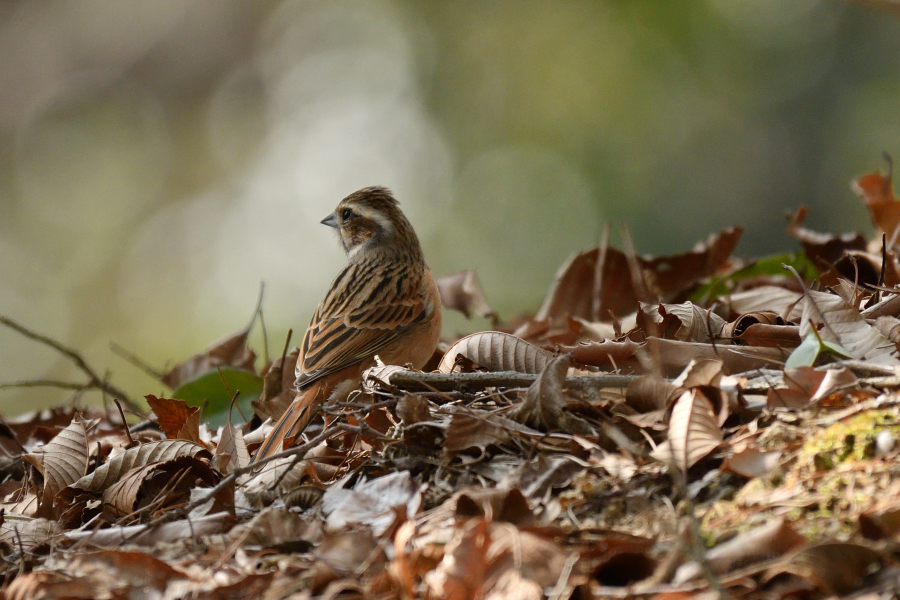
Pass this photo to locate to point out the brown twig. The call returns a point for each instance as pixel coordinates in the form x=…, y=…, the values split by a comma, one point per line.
x=136, y=360
x=412, y=380
x=131, y=441
x=94, y=380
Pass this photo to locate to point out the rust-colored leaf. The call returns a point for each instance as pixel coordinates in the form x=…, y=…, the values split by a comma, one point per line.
x=461, y=573
x=877, y=192
x=176, y=418
x=693, y=431
x=496, y=351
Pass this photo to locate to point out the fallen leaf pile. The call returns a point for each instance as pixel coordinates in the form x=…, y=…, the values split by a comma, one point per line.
x=695, y=425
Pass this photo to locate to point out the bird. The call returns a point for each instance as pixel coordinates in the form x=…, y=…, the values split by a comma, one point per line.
x=384, y=303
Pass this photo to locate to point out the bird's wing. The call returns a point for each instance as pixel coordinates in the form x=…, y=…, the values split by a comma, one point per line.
x=367, y=308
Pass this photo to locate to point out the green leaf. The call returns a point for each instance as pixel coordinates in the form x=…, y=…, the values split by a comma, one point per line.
x=770, y=265
x=208, y=387
x=806, y=354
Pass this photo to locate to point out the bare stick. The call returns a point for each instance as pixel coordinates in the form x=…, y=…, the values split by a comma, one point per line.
x=64, y=385
x=94, y=380
x=131, y=441
x=137, y=361
x=259, y=303
x=412, y=380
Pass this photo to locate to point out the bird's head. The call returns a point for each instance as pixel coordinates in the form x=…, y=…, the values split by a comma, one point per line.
x=370, y=219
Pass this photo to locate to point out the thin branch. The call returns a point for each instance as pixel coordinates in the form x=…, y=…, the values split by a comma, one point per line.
x=259, y=303
x=64, y=385
x=131, y=441
x=265, y=334
x=412, y=380
x=137, y=361
x=94, y=380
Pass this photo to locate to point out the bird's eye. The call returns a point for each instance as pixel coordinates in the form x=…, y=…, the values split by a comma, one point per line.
x=346, y=214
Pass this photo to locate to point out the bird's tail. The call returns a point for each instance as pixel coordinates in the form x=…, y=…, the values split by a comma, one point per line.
x=293, y=421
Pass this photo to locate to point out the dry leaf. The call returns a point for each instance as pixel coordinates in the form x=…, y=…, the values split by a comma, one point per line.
x=120, y=574
x=773, y=539
x=674, y=355
x=889, y=327
x=62, y=462
x=607, y=353
x=496, y=351
x=835, y=568
x=544, y=406
x=155, y=452
x=375, y=504
x=693, y=431
x=767, y=298
x=141, y=486
x=232, y=449
x=882, y=521
x=461, y=573
x=176, y=418
x=282, y=530
x=876, y=191
x=840, y=323
x=473, y=429
x=686, y=322
x=277, y=478
x=650, y=393
x=151, y=535
x=824, y=249
x=412, y=409
x=462, y=291
x=577, y=293
x=752, y=462
x=25, y=533
x=278, y=387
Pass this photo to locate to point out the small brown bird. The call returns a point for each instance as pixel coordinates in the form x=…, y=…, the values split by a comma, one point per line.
x=384, y=303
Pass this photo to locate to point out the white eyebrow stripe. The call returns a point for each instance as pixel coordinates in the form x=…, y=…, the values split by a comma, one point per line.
x=382, y=221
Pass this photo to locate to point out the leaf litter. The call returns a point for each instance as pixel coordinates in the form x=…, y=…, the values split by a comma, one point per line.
x=695, y=425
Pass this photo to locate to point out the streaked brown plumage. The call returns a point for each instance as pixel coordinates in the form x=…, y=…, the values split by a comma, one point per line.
x=384, y=303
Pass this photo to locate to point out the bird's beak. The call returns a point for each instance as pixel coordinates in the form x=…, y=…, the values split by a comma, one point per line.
x=330, y=221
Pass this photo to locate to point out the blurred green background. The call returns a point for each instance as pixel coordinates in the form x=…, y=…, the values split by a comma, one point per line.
x=160, y=158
